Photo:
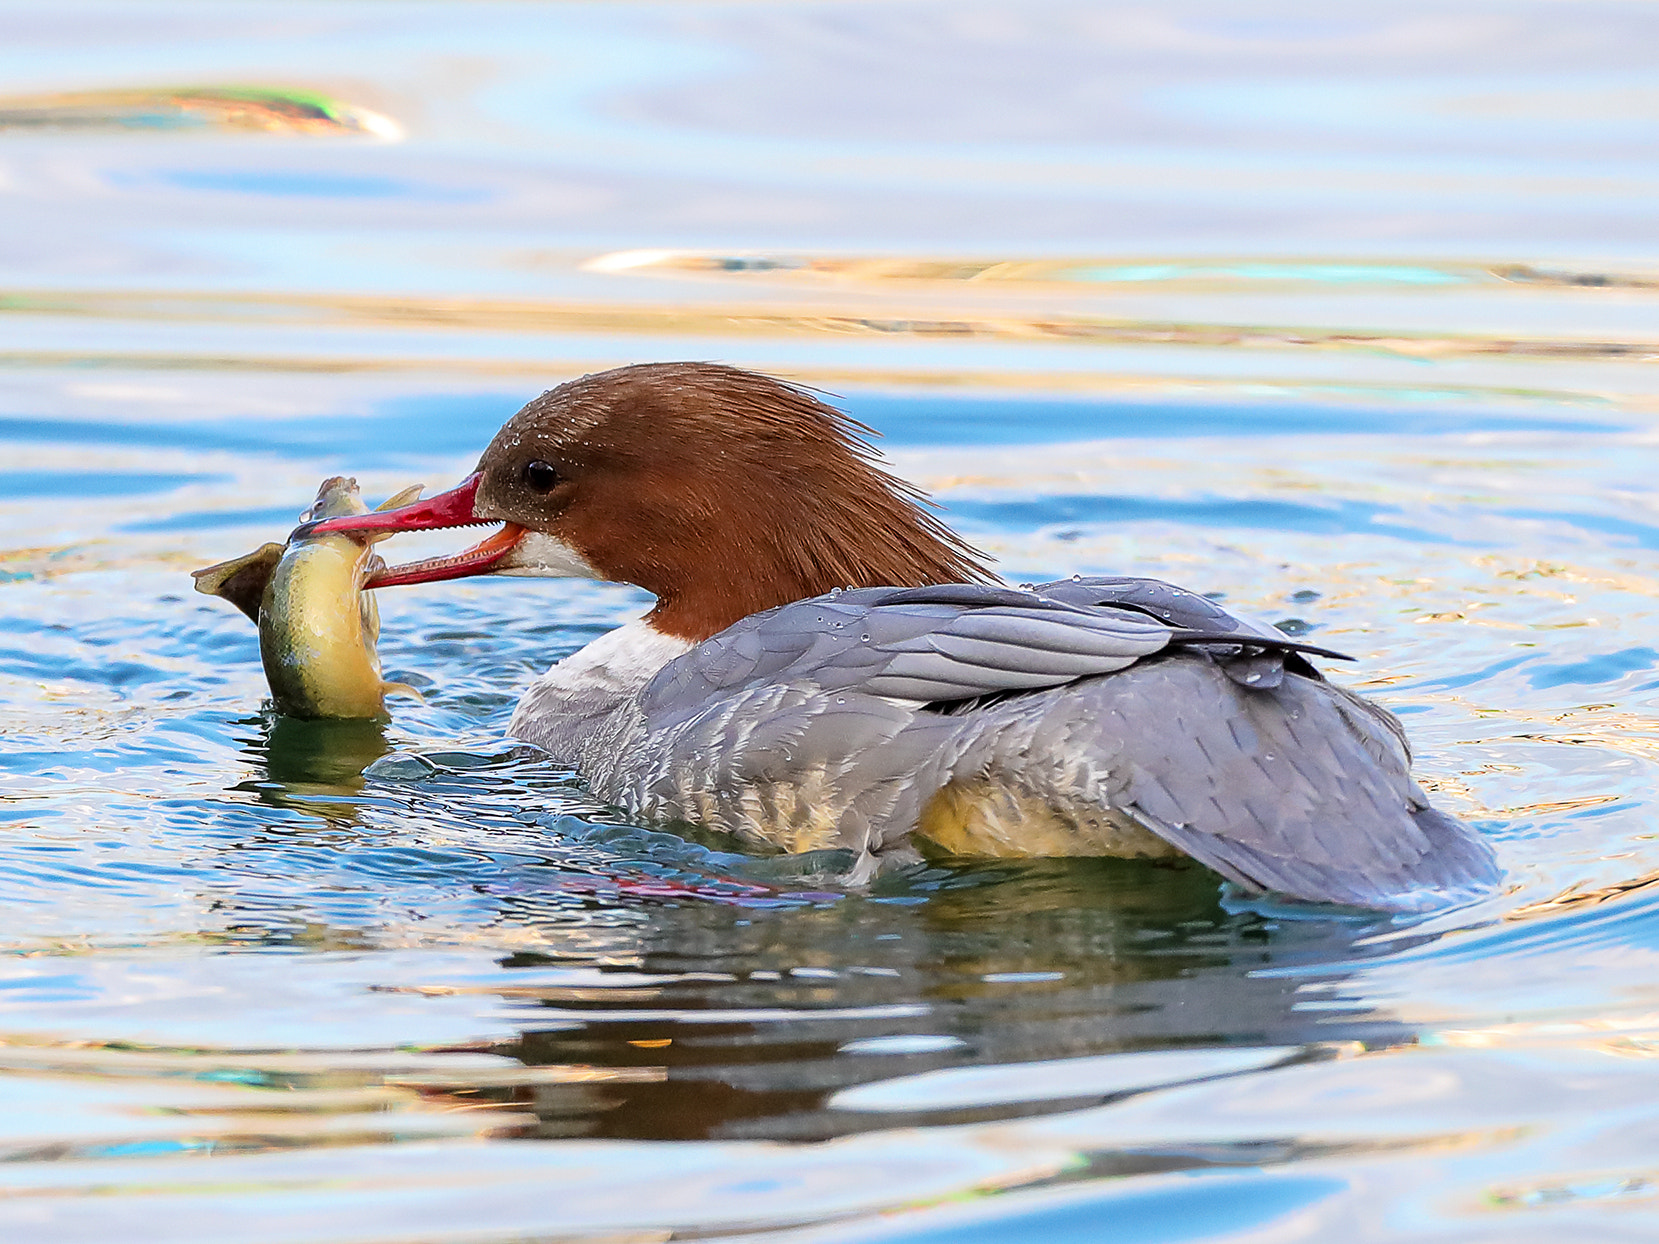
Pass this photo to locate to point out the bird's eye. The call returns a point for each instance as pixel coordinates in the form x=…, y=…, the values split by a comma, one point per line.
x=540, y=476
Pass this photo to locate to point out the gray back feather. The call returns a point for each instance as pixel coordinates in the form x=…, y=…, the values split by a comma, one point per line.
x=845, y=714
x=956, y=641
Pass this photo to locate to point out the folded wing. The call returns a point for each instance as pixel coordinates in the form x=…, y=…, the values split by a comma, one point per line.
x=1208, y=729
x=953, y=642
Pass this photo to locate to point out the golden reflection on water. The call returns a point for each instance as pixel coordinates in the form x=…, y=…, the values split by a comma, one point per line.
x=543, y=373
x=233, y=109
x=1577, y=894
x=229, y=1101
x=1105, y=271
x=743, y=320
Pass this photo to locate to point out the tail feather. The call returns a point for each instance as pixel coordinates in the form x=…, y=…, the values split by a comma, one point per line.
x=1300, y=789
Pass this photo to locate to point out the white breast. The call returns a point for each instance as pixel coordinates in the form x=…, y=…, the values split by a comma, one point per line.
x=592, y=681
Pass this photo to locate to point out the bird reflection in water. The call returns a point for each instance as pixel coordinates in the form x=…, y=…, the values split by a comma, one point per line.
x=756, y=991
x=944, y=967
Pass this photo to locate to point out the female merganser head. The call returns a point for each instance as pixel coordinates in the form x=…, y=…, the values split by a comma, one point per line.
x=719, y=491
x=827, y=665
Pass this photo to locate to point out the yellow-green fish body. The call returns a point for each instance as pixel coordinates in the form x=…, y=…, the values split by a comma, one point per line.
x=317, y=626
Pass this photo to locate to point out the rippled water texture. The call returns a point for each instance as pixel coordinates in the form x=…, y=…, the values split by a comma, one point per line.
x=1348, y=313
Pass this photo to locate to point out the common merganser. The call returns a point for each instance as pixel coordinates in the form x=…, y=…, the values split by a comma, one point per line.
x=828, y=665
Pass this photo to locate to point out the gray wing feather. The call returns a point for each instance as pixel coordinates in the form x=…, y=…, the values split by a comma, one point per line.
x=922, y=690
x=925, y=644
x=1276, y=790
x=1041, y=662
x=1236, y=752
x=955, y=679
x=1174, y=605
x=1103, y=631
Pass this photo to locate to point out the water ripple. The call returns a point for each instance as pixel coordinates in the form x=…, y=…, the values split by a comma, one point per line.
x=1370, y=354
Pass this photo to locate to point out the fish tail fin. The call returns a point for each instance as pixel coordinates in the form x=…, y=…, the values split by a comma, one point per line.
x=241, y=580
x=411, y=493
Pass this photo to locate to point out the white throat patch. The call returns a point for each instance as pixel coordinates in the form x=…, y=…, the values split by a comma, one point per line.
x=541, y=556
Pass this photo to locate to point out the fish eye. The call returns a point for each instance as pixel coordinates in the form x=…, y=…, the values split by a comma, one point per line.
x=540, y=476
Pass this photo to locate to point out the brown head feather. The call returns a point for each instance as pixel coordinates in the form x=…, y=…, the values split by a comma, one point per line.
x=722, y=492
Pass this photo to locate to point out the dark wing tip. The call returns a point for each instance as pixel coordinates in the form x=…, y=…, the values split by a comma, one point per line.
x=1182, y=635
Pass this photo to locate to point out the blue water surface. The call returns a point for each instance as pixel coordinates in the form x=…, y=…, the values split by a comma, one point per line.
x=1291, y=308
